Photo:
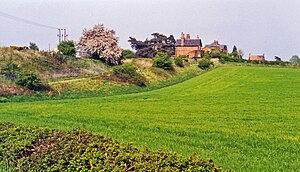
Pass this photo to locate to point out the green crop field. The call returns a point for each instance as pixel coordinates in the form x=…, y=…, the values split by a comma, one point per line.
x=244, y=118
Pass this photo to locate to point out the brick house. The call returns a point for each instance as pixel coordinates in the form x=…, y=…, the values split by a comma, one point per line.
x=215, y=46
x=257, y=57
x=188, y=46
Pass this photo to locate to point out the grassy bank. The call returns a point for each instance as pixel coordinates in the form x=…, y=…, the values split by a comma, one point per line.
x=83, y=88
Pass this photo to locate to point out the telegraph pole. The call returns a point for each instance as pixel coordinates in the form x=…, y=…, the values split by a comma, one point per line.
x=62, y=35
x=65, y=35
x=59, y=35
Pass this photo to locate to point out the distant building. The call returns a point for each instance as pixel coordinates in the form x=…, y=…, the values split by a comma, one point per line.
x=215, y=46
x=257, y=57
x=188, y=46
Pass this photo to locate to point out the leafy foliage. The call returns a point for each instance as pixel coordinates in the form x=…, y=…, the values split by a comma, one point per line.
x=28, y=79
x=128, y=72
x=162, y=60
x=234, y=52
x=295, y=60
x=33, y=46
x=179, y=60
x=128, y=54
x=101, y=43
x=39, y=149
x=205, y=64
x=67, y=48
x=149, y=48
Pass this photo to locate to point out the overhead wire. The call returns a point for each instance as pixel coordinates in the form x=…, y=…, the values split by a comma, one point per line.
x=8, y=16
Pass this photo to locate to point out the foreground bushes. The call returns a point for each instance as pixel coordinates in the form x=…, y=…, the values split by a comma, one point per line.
x=38, y=149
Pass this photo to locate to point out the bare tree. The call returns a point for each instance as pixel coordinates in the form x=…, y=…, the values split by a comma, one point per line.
x=240, y=53
x=101, y=43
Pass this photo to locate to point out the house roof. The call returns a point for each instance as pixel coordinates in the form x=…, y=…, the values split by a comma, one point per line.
x=189, y=42
x=216, y=44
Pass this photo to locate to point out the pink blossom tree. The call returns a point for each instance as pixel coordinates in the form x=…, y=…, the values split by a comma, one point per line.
x=101, y=43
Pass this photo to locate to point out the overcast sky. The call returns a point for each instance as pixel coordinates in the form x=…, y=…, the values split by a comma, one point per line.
x=256, y=26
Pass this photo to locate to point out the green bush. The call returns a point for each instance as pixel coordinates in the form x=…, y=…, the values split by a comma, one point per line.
x=179, y=60
x=162, y=60
x=9, y=69
x=28, y=79
x=128, y=54
x=205, y=64
x=128, y=72
x=67, y=48
x=40, y=149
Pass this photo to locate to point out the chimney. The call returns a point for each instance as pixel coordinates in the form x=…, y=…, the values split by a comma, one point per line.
x=198, y=37
x=188, y=36
x=182, y=39
x=216, y=42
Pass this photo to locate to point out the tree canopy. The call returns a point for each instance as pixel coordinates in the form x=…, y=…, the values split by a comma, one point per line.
x=149, y=48
x=67, y=48
x=33, y=46
x=101, y=43
x=295, y=60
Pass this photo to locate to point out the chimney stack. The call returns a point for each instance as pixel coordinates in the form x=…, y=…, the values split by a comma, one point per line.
x=182, y=39
x=198, y=37
x=216, y=42
x=188, y=36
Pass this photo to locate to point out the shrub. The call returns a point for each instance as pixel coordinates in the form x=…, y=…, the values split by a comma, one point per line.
x=40, y=149
x=9, y=69
x=128, y=72
x=179, y=60
x=205, y=64
x=128, y=54
x=162, y=60
x=67, y=48
x=28, y=79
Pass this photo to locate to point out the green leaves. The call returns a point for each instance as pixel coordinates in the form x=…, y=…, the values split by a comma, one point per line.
x=162, y=60
x=67, y=48
x=38, y=149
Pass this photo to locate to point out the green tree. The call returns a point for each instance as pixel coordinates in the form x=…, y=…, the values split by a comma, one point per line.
x=162, y=60
x=33, y=46
x=234, y=52
x=295, y=60
x=278, y=59
x=149, y=48
x=67, y=48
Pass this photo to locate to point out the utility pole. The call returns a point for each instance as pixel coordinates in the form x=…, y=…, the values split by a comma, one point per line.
x=62, y=35
x=59, y=35
x=65, y=35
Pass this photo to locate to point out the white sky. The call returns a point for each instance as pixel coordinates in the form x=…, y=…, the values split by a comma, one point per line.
x=256, y=26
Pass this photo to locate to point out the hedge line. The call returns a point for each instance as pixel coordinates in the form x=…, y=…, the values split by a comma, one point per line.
x=39, y=149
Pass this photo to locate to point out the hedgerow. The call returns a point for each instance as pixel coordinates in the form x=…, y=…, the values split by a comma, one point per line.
x=39, y=149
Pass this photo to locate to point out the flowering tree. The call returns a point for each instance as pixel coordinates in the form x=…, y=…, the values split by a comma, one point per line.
x=101, y=43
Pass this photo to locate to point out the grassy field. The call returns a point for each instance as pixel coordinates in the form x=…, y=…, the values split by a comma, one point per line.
x=245, y=118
